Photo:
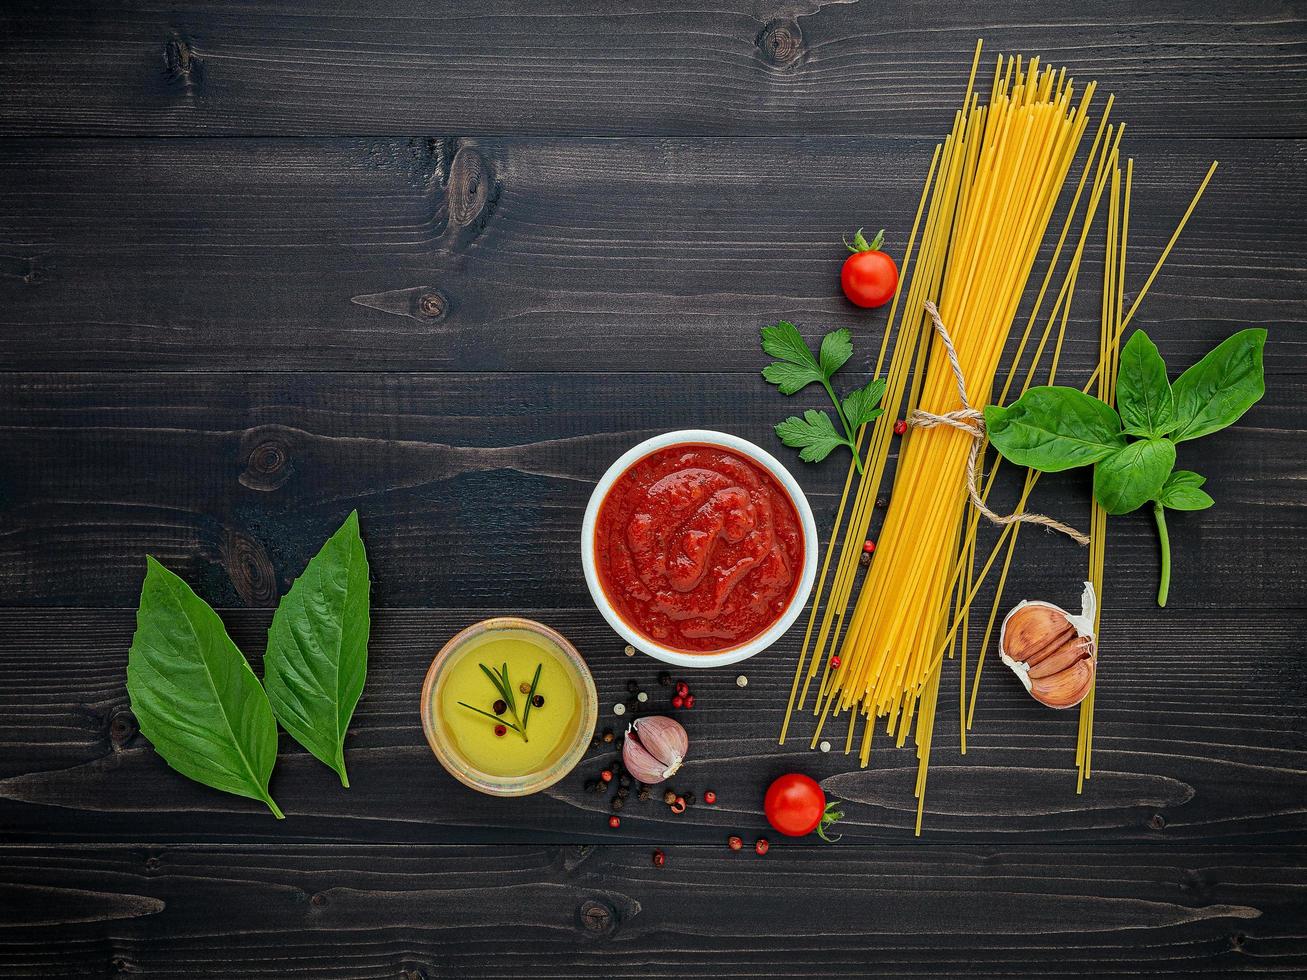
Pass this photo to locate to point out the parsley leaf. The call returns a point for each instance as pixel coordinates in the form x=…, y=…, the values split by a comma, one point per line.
x=785, y=342
x=813, y=435
x=861, y=404
x=836, y=349
x=790, y=378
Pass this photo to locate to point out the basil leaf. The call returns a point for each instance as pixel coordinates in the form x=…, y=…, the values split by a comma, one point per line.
x=860, y=405
x=1052, y=428
x=1134, y=475
x=790, y=378
x=1217, y=390
x=194, y=695
x=1180, y=491
x=784, y=341
x=813, y=435
x=317, y=657
x=1143, y=394
x=836, y=349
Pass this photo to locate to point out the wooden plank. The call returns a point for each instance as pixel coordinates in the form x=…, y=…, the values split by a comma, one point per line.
x=423, y=912
x=513, y=254
x=1182, y=752
x=399, y=66
x=472, y=487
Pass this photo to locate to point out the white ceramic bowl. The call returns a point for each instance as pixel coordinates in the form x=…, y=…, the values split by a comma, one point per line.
x=701, y=437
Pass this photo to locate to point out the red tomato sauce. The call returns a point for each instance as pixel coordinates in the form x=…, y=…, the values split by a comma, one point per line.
x=698, y=548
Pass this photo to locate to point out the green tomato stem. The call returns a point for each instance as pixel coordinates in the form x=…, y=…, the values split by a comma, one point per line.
x=1164, y=587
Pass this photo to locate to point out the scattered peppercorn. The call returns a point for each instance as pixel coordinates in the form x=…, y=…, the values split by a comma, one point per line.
x=624, y=781
x=643, y=793
x=882, y=502
x=608, y=734
x=524, y=687
x=689, y=700
x=659, y=859
x=761, y=845
x=617, y=803
x=678, y=702
x=623, y=792
x=633, y=686
x=606, y=775
x=900, y=427
x=682, y=688
x=500, y=707
x=593, y=786
x=824, y=746
x=614, y=822
x=501, y=730
x=734, y=843
x=679, y=806
x=665, y=679
x=709, y=797
x=864, y=559
x=835, y=662
x=741, y=681
x=538, y=700
x=629, y=650
x=689, y=798
x=642, y=697
x=669, y=797
x=596, y=742
x=619, y=708
x=869, y=547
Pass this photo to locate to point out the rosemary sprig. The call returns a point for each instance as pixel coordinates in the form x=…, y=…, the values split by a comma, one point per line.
x=526, y=714
x=495, y=718
x=504, y=688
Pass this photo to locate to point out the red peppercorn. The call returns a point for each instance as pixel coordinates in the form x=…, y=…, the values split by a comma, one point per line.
x=606, y=775
x=689, y=700
x=678, y=702
x=709, y=797
x=734, y=843
x=659, y=859
x=501, y=730
x=868, y=546
x=614, y=822
x=682, y=688
x=835, y=662
x=761, y=845
x=900, y=427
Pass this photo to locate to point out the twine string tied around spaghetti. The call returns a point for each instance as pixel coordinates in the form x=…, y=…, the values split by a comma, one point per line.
x=971, y=420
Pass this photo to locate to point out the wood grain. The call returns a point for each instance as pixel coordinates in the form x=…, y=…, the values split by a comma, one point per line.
x=517, y=254
x=472, y=487
x=559, y=66
x=1181, y=752
x=426, y=912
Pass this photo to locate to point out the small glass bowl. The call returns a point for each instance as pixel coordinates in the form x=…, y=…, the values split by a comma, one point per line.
x=457, y=765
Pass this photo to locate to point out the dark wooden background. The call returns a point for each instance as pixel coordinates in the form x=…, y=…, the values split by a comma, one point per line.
x=261, y=263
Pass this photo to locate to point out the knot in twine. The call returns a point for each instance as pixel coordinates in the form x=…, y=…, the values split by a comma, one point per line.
x=972, y=421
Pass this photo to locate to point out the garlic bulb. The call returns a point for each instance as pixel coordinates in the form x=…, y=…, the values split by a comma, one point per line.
x=654, y=748
x=1052, y=652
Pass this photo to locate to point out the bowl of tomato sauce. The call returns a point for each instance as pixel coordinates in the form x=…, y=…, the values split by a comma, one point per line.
x=699, y=548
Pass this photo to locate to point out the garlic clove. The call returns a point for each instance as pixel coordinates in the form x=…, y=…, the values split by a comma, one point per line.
x=640, y=764
x=654, y=749
x=1051, y=651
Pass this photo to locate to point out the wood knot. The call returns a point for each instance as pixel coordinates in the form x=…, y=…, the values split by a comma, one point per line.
x=250, y=568
x=412, y=973
x=1237, y=940
x=597, y=917
x=267, y=460
x=433, y=305
x=122, y=726
x=181, y=65
x=153, y=864
x=1157, y=821
x=781, y=43
x=318, y=901
x=472, y=189
x=121, y=964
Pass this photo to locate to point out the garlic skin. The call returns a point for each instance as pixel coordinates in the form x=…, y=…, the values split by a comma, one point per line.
x=1052, y=652
x=654, y=748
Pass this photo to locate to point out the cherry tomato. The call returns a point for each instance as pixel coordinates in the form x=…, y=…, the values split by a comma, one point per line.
x=795, y=805
x=869, y=276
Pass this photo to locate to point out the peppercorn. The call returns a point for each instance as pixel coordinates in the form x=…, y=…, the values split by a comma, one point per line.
x=689, y=700
x=682, y=688
x=669, y=797
x=709, y=797
x=690, y=798
x=659, y=859
x=642, y=697
x=678, y=702
x=623, y=792
x=761, y=845
x=868, y=547
x=608, y=734
x=864, y=559
x=614, y=822
x=617, y=803
x=633, y=686
x=596, y=742
x=643, y=793
x=593, y=786
x=500, y=707
x=665, y=679
x=501, y=731
x=679, y=806
x=524, y=687
x=624, y=781
x=629, y=650
x=900, y=427
x=606, y=775
x=734, y=843
x=882, y=502
x=835, y=662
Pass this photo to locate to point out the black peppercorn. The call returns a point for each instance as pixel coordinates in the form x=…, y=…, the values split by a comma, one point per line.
x=864, y=559
x=608, y=734
x=500, y=707
x=595, y=742
x=538, y=700
x=633, y=686
x=665, y=679
x=593, y=786
x=623, y=793
x=617, y=803
x=642, y=793
x=690, y=799
x=882, y=502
